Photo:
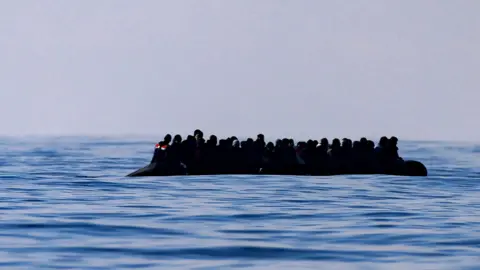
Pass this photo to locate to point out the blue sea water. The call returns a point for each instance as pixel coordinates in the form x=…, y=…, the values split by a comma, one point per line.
x=65, y=204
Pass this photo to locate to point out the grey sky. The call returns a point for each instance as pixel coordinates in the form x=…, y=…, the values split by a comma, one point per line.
x=286, y=68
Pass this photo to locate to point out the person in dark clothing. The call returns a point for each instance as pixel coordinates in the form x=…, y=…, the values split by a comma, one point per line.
x=289, y=156
x=235, y=157
x=371, y=162
x=381, y=153
x=166, y=140
x=174, y=152
x=159, y=153
x=307, y=155
x=211, y=155
x=177, y=139
x=382, y=145
x=321, y=159
x=228, y=155
x=393, y=148
x=188, y=151
x=347, y=156
x=197, y=133
x=334, y=154
x=257, y=151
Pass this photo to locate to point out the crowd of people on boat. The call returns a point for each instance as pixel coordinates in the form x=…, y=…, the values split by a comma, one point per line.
x=196, y=156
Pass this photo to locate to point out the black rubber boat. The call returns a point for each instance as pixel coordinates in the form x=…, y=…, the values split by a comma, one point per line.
x=406, y=168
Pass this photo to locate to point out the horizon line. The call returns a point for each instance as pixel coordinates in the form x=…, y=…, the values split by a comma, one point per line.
x=135, y=136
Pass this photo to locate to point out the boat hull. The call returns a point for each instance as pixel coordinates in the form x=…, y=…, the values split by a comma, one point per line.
x=407, y=168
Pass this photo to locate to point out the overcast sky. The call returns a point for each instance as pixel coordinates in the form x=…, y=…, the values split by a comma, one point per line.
x=285, y=68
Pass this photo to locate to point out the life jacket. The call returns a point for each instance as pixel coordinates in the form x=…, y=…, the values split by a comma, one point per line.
x=161, y=146
x=159, y=153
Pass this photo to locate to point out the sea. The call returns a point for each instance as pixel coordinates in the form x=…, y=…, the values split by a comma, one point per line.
x=66, y=204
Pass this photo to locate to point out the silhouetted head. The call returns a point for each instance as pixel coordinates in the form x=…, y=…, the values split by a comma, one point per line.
x=393, y=140
x=356, y=145
x=335, y=143
x=301, y=145
x=363, y=143
x=260, y=137
x=213, y=140
x=346, y=143
x=177, y=138
x=236, y=144
x=291, y=143
x=167, y=139
x=383, y=141
x=270, y=146
x=324, y=142
x=370, y=145
x=278, y=143
x=198, y=134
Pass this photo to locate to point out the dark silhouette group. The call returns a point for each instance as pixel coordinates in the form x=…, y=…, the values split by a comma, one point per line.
x=197, y=156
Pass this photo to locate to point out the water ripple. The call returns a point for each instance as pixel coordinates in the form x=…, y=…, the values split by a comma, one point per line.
x=66, y=205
